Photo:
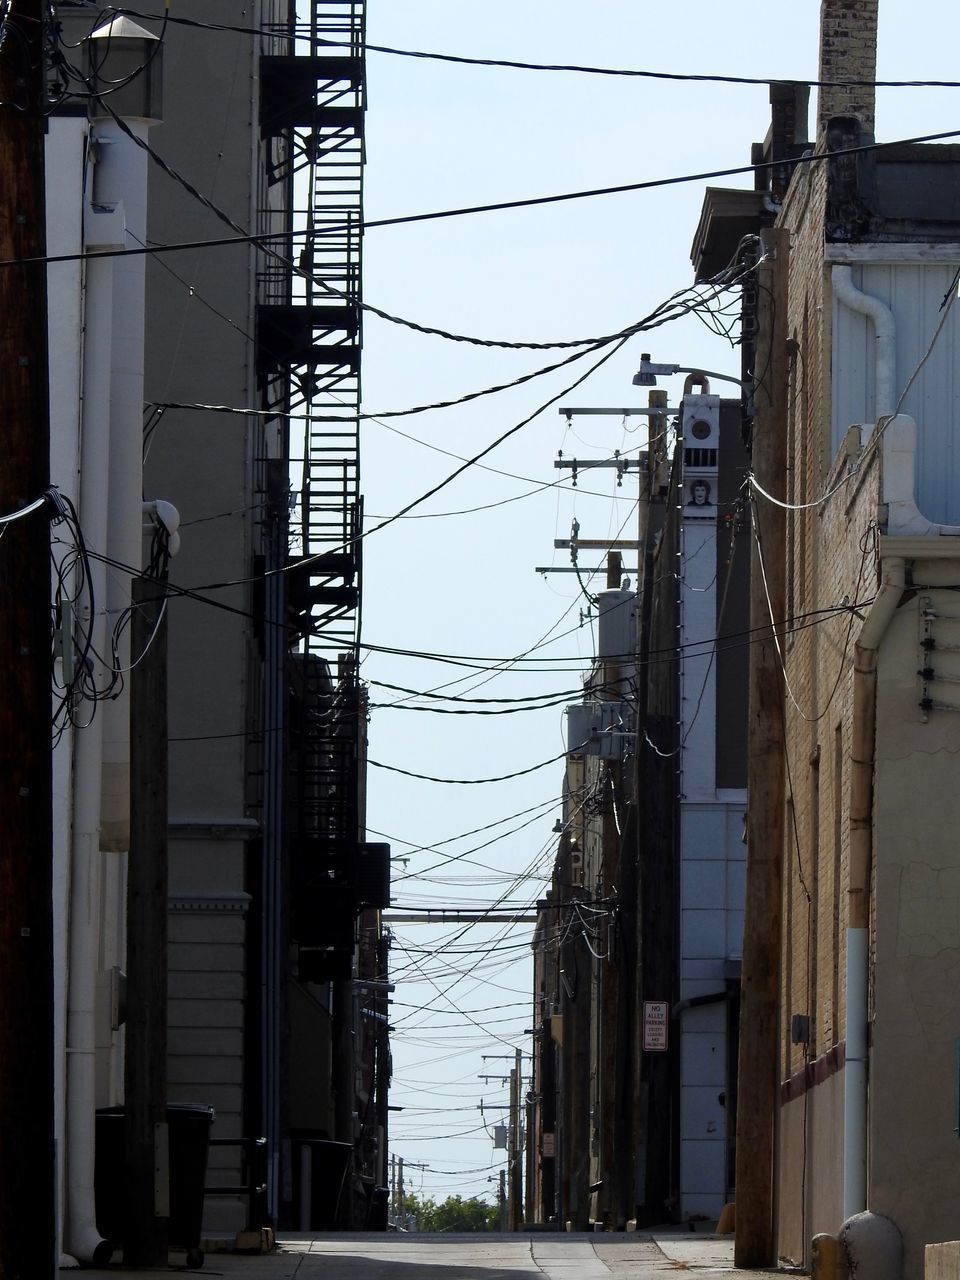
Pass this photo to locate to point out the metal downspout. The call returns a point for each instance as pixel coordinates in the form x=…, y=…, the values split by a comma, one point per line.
x=82, y=1239
x=861, y=862
x=885, y=335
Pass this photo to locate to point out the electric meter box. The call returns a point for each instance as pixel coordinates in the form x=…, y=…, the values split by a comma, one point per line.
x=617, y=625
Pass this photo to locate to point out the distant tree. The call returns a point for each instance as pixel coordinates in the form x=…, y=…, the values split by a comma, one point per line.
x=453, y=1214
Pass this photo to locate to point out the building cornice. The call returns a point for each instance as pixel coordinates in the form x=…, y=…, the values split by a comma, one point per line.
x=927, y=547
x=875, y=252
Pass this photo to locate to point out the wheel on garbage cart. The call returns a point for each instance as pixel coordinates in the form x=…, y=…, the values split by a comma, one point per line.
x=194, y=1258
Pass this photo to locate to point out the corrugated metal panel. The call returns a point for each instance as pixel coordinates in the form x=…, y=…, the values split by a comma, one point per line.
x=914, y=292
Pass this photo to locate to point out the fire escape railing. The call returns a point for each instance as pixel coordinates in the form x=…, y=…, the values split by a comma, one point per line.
x=309, y=328
x=308, y=339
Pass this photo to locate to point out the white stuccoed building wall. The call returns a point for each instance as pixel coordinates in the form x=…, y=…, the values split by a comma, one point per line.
x=711, y=850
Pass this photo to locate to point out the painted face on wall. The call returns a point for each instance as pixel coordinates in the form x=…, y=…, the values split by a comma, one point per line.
x=699, y=493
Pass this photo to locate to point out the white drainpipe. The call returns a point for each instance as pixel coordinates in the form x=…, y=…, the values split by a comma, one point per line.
x=855, y=1074
x=885, y=334
x=122, y=179
x=861, y=861
x=83, y=1240
x=111, y=515
x=855, y=1100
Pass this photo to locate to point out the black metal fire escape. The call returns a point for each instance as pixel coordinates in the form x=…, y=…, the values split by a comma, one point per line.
x=308, y=356
x=308, y=366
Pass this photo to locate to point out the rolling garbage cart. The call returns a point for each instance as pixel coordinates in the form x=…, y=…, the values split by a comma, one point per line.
x=189, y=1132
x=320, y=1175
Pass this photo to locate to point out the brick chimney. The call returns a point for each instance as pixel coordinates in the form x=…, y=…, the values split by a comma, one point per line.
x=848, y=51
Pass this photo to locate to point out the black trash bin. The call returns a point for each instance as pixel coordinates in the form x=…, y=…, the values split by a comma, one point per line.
x=377, y=1214
x=320, y=1174
x=189, y=1133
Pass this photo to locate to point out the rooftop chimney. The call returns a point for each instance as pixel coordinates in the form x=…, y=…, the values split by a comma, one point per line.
x=848, y=51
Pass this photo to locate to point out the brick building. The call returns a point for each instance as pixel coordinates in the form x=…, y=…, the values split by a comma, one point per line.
x=868, y=1009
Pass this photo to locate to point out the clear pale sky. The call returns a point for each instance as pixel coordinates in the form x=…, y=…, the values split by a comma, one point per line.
x=443, y=136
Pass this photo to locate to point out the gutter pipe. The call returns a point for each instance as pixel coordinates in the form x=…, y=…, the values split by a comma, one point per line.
x=83, y=1240
x=862, y=755
x=885, y=335
x=855, y=1108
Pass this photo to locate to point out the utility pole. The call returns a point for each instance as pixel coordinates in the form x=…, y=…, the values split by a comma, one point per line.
x=145, y=1058
x=608, y=973
x=758, y=1063
x=502, y=1200
x=28, y=1231
x=655, y=890
x=515, y=1207
x=401, y=1209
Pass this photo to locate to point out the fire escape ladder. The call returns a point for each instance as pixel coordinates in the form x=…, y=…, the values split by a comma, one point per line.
x=309, y=319
x=323, y=825
x=309, y=336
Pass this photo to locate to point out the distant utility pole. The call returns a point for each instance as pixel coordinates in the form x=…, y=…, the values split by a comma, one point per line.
x=514, y=1165
x=757, y=1099
x=28, y=1234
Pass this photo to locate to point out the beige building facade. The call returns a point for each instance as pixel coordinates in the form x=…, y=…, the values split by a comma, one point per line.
x=869, y=1010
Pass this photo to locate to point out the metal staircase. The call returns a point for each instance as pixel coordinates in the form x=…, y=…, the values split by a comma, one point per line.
x=309, y=322
x=308, y=338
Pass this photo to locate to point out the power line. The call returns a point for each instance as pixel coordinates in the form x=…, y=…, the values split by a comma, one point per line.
x=432, y=848
x=456, y=697
x=467, y=782
x=652, y=183
x=688, y=300
x=798, y=622
x=262, y=240
x=522, y=65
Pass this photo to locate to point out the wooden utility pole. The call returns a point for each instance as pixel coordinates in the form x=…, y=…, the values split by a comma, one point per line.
x=646, y=1150
x=145, y=1068
x=610, y=775
x=758, y=1064
x=515, y=1165
x=28, y=1234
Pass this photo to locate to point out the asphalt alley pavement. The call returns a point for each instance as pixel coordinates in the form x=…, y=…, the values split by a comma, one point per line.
x=534, y=1256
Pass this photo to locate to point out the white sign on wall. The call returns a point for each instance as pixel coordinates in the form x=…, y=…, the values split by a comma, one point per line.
x=656, y=1022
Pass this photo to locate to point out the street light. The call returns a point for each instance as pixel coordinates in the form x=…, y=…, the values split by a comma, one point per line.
x=648, y=372
x=563, y=829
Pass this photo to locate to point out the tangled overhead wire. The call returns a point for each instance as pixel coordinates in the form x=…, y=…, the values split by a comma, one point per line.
x=91, y=672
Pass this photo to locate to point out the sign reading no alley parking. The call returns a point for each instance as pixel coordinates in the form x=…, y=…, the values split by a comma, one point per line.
x=656, y=1020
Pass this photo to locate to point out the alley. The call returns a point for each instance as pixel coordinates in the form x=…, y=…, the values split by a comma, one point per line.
x=536, y=1256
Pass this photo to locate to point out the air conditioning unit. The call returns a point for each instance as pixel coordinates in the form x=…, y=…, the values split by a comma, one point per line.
x=576, y=866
